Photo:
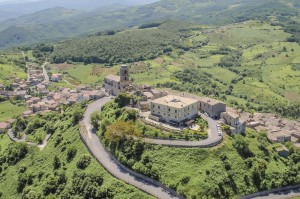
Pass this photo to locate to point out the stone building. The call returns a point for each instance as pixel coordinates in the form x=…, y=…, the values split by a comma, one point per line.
x=174, y=109
x=212, y=107
x=115, y=84
x=232, y=119
x=279, y=136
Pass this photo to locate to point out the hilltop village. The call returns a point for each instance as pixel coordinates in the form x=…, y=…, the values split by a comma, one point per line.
x=170, y=110
x=180, y=110
x=160, y=106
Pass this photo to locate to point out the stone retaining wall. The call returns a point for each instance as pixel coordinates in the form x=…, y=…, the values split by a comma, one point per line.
x=131, y=172
x=277, y=190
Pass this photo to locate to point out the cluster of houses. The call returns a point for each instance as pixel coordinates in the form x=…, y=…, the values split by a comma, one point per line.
x=65, y=96
x=17, y=91
x=172, y=109
x=39, y=99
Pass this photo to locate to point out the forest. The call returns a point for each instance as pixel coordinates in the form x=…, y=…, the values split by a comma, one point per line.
x=123, y=47
x=64, y=169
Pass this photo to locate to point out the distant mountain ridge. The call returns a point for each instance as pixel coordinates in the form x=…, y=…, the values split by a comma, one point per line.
x=19, y=8
x=58, y=23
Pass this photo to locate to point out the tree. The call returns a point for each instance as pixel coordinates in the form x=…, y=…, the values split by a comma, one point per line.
x=71, y=153
x=56, y=163
x=121, y=130
x=123, y=99
x=77, y=116
x=84, y=161
x=242, y=146
x=95, y=118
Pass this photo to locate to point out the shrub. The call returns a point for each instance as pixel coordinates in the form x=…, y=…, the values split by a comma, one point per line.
x=71, y=153
x=84, y=161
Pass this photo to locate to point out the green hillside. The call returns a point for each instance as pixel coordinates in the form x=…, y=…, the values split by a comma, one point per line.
x=70, y=23
x=64, y=169
x=12, y=64
x=250, y=65
x=240, y=166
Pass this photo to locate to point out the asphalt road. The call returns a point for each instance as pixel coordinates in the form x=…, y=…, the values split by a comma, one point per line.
x=212, y=140
x=281, y=195
x=111, y=165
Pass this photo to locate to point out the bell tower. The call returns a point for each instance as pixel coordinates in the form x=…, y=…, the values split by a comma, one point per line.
x=124, y=77
x=124, y=73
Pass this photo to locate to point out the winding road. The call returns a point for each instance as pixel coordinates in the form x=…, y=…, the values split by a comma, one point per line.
x=113, y=166
x=118, y=170
x=212, y=140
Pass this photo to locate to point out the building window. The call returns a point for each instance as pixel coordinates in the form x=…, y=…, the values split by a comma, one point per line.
x=158, y=107
x=175, y=116
x=158, y=113
x=175, y=111
x=153, y=106
x=169, y=109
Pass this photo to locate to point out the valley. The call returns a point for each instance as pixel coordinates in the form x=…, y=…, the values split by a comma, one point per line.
x=149, y=99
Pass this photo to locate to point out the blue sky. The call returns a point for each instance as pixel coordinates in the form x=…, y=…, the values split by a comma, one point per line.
x=2, y=1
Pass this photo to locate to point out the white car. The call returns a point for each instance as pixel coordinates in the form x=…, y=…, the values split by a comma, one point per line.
x=220, y=134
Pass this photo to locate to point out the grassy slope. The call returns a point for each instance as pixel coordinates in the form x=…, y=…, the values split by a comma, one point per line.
x=9, y=69
x=41, y=162
x=220, y=172
x=8, y=110
x=269, y=79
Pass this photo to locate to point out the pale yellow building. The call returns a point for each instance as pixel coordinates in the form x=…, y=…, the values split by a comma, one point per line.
x=174, y=109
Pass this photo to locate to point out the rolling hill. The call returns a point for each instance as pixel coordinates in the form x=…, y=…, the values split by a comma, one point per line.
x=68, y=23
x=18, y=8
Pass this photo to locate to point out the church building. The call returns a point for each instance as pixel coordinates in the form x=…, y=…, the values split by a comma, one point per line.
x=115, y=84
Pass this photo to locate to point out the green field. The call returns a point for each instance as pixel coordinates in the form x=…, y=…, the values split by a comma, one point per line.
x=79, y=73
x=35, y=176
x=9, y=111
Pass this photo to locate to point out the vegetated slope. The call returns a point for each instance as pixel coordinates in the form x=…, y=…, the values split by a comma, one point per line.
x=250, y=65
x=239, y=166
x=126, y=46
x=12, y=64
x=208, y=12
x=64, y=169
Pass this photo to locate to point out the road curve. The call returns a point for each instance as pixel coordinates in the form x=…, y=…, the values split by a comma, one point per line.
x=279, y=193
x=113, y=166
x=212, y=140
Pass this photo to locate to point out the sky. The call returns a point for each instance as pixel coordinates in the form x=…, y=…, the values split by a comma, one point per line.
x=19, y=1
